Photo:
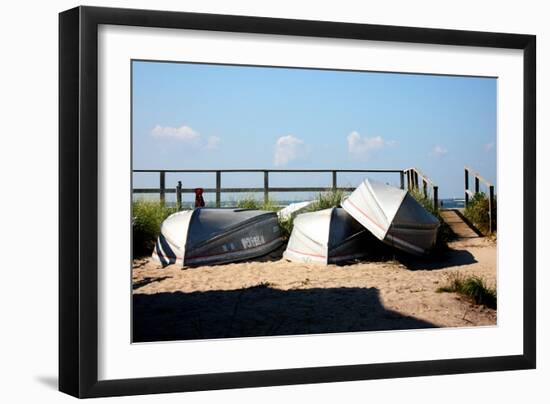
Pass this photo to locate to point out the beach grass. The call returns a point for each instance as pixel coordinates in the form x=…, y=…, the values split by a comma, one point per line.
x=286, y=226
x=250, y=202
x=472, y=287
x=477, y=212
x=147, y=217
x=331, y=198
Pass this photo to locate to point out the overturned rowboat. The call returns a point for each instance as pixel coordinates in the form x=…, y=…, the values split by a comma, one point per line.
x=394, y=216
x=206, y=236
x=329, y=236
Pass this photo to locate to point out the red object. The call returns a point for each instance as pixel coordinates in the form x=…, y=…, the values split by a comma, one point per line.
x=199, y=200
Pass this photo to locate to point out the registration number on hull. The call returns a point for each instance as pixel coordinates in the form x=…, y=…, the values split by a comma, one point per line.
x=254, y=241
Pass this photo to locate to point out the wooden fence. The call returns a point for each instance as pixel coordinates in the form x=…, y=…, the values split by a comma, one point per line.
x=470, y=193
x=408, y=177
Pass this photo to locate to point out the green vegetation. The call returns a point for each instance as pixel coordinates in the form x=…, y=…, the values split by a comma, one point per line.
x=286, y=226
x=472, y=287
x=250, y=202
x=146, y=219
x=477, y=212
x=331, y=198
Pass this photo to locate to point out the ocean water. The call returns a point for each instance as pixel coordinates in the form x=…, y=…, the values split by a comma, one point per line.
x=451, y=203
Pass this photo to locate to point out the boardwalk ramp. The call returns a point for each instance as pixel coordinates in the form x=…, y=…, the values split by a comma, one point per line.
x=458, y=224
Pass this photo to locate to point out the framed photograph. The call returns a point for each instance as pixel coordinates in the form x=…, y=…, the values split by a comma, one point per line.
x=250, y=201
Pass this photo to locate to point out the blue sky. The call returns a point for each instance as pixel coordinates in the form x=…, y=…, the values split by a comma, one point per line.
x=217, y=116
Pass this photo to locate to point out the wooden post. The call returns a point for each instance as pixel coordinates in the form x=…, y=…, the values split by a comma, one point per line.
x=425, y=187
x=334, y=181
x=476, y=184
x=416, y=179
x=409, y=180
x=178, y=196
x=266, y=187
x=218, y=189
x=466, y=187
x=436, y=198
x=492, y=211
x=402, y=179
x=162, y=188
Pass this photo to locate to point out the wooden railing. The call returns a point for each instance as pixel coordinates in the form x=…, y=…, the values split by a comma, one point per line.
x=470, y=193
x=412, y=175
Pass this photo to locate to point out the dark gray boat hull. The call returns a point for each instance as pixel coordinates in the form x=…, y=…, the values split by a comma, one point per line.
x=217, y=236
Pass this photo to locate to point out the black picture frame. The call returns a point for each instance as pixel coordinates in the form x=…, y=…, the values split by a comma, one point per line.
x=78, y=201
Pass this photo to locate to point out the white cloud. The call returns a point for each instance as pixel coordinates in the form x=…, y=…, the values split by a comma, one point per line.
x=363, y=146
x=187, y=135
x=288, y=148
x=212, y=143
x=489, y=146
x=439, y=151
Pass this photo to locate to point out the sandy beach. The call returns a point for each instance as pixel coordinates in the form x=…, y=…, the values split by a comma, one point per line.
x=278, y=297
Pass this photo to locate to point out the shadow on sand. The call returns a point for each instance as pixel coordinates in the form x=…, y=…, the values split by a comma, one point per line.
x=262, y=311
x=440, y=260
